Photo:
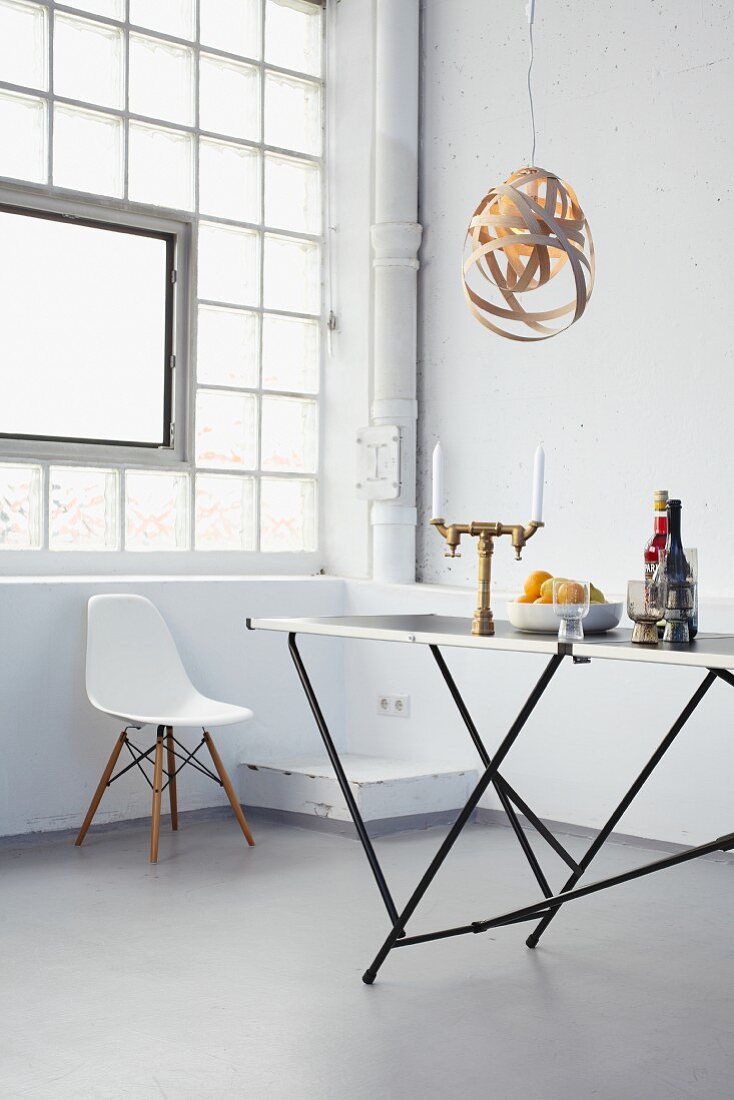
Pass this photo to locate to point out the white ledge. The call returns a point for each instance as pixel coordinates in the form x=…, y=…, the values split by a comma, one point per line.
x=163, y=578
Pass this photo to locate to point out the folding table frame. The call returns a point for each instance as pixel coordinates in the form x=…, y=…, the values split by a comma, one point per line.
x=712, y=653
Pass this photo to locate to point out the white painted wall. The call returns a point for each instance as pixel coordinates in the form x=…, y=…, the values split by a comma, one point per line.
x=54, y=745
x=633, y=104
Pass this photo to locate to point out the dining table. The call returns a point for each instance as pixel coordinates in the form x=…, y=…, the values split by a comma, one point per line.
x=713, y=654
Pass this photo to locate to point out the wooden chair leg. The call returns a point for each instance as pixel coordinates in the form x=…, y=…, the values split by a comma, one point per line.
x=172, y=778
x=227, y=784
x=101, y=787
x=155, y=815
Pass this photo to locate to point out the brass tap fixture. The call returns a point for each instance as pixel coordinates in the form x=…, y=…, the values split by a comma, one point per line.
x=486, y=533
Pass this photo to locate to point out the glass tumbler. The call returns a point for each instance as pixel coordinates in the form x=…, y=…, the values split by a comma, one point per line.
x=571, y=605
x=691, y=554
x=646, y=606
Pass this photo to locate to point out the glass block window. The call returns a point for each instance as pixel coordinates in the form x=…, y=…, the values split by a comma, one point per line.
x=83, y=508
x=20, y=507
x=156, y=510
x=208, y=112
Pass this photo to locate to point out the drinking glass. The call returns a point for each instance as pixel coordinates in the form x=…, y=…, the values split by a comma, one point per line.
x=646, y=606
x=691, y=554
x=571, y=605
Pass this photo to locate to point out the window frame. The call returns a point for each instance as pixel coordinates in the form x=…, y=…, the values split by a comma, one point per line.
x=167, y=366
x=44, y=203
x=182, y=225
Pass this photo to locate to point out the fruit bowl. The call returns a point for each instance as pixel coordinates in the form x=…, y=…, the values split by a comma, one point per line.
x=540, y=618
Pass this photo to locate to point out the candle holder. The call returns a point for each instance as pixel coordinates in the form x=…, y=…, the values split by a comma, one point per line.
x=486, y=533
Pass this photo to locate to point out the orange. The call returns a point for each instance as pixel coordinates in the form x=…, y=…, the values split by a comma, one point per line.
x=570, y=592
x=544, y=599
x=546, y=588
x=534, y=581
x=524, y=599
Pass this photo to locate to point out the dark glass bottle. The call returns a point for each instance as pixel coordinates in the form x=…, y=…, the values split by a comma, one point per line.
x=677, y=567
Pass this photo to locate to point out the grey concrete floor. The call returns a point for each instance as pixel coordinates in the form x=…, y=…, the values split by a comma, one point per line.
x=224, y=972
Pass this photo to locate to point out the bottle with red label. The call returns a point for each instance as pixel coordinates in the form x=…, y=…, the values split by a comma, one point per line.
x=660, y=535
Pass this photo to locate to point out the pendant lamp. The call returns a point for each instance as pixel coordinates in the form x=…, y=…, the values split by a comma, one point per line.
x=522, y=236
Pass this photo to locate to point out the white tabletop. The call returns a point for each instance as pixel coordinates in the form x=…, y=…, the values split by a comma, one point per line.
x=422, y=629
x=707, y=651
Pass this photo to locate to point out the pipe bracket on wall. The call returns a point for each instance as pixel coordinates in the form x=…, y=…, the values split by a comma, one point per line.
x=378, y=462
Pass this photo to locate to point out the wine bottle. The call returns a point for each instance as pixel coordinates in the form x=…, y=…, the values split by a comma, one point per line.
x=656, y=545
x=679, y=604
x=660, y=533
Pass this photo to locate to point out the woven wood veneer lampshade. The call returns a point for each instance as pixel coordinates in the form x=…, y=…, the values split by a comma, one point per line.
x=522, y=234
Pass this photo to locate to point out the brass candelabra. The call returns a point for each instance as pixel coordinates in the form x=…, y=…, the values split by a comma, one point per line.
x=486, y=533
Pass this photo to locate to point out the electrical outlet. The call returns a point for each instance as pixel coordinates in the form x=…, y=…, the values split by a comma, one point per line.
x=394, y=706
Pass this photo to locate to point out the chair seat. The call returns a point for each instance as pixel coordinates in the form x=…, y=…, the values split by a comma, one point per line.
x=194, y=710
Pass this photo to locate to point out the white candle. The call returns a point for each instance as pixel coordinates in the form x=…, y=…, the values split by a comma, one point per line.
x=438, y=486
x=536, y=508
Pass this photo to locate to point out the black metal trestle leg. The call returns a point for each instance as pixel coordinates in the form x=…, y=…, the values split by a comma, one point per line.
x=497, y=782
x=631, y=794
x=547, y=907
x=513, y=796
x=343, y=781
x=532, y=912
x=487, y=777
x=538, y=824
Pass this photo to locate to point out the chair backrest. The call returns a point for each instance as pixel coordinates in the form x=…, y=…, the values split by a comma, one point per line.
x=133, y=666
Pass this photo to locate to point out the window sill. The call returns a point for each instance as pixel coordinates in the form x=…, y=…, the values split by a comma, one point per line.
x=73, y=564
x=197, y=578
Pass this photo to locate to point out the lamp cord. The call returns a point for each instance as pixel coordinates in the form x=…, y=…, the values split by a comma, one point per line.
x=531, y=19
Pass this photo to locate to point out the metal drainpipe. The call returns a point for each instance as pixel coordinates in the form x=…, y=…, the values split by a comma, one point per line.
x=396, y=238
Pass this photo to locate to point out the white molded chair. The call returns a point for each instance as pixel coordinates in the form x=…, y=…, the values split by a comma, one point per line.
x=135, y=673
